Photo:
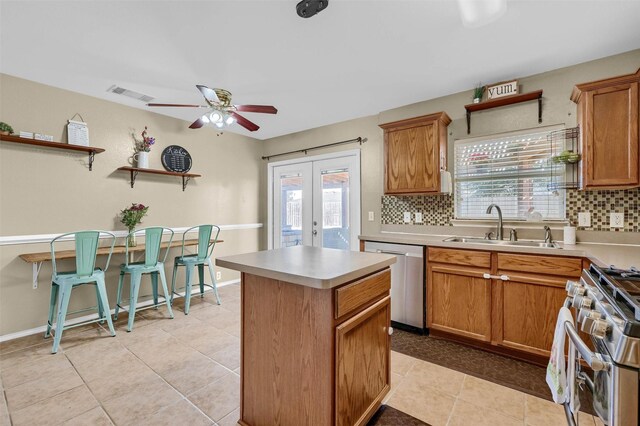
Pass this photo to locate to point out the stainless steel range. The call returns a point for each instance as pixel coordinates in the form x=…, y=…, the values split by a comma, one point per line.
x=608, y=304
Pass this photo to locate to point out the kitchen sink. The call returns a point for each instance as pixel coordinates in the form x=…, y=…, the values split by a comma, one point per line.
x=475, y=240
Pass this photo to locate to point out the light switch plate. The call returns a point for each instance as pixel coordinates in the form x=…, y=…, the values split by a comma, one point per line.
x=584, y=219
x=418, y=217
x=371, y=216
x=218, y=275
x=616, y=220
x=407, y=217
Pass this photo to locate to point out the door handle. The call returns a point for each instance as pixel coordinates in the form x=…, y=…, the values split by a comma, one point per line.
x=314, y=232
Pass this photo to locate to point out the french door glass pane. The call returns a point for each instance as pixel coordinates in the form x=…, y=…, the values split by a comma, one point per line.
x=335, y=209
x=291, y=210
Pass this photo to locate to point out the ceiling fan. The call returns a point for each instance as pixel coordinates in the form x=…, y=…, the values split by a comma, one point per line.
x=222, y=112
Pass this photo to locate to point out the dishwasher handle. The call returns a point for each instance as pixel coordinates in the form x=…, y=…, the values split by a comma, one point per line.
x=397, y=253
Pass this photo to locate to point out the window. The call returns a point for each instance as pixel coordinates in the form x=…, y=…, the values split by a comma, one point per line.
x=514, y=172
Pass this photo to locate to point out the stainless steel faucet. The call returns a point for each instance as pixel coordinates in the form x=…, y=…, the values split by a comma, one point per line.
x=499, y=230
x=547, y=235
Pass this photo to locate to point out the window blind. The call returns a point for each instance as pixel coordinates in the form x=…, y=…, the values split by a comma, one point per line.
x=513, y=172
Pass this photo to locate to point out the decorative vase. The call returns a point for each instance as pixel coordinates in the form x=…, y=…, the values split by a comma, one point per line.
x=131, y=239
x=142, y=159
x=476, y=100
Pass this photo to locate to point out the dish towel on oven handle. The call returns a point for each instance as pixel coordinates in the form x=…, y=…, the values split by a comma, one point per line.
x=556, y=371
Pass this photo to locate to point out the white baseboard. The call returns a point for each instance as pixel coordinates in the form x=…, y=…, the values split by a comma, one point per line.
x=42, y=329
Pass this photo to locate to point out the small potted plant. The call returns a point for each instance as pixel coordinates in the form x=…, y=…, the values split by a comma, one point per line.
x=5, y=129
x=131, y=217
x=143, y=147
x=478, y=91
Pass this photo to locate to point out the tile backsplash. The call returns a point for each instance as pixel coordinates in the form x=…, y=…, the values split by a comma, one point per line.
x=602, y=202
x=438, y=209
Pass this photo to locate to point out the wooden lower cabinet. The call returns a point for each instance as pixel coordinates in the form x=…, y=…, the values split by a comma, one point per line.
x=362, y=364
x=525, y=312
x=459, y=301
x=515, y=309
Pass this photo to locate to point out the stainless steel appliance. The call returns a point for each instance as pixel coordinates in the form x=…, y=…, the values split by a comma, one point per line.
x=407, y=283
x=608, y=304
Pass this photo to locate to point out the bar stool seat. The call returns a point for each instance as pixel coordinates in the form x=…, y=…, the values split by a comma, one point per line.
x=62, y=283
x=206, y=244
x=151, y=265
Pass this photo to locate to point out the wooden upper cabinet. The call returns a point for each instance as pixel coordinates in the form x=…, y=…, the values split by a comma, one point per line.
x=415, y=150
x=609, y=121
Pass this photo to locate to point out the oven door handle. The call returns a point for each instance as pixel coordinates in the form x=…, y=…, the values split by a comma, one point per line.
x=593, y=359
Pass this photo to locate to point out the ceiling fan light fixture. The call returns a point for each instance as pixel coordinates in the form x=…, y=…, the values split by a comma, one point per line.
x=476, y=13
x=215, y=117
x=219, y=125
x=229, y=120
x=205, y=119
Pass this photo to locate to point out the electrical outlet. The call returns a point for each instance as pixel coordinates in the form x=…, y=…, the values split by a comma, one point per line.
x=218, y=275
x=407, y=217
x=584, y=219
x=418, y=217
x=616, y=220
x=371, y=217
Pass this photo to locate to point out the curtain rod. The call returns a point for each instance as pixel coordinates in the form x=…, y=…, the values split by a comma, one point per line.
x=358, y=139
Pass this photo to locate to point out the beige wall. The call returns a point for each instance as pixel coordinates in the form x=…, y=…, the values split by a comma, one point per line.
x=557, y=109
x=45, y=191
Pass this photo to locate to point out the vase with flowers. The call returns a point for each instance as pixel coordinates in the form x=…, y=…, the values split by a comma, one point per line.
x=143, y=147
x=130, y=217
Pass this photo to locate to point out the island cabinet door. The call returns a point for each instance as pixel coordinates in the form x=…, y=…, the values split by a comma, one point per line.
x=459, y=301
x=362, y=364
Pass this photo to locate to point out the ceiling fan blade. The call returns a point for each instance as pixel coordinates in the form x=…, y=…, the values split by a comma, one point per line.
x=208, y=93
x=178, y=105
x=197, y=124
x=252, y=127
x=265, y=109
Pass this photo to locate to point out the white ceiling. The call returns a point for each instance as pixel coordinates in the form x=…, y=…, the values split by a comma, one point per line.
x=356, y=58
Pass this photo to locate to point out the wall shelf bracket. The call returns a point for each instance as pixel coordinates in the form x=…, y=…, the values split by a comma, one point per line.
x=185, y=181
x=35, y=270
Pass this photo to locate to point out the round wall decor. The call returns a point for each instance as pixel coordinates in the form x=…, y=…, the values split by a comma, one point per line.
x=176, y=159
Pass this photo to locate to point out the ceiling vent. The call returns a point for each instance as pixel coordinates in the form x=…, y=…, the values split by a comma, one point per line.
x=130, y=93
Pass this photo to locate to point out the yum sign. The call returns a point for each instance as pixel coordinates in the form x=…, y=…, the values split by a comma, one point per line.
x=499, y=90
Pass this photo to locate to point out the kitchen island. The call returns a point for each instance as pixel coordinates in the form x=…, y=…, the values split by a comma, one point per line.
x=315, y=335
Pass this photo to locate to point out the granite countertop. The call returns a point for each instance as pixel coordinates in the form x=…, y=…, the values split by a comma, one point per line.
x=315, y=267
x=604, y=254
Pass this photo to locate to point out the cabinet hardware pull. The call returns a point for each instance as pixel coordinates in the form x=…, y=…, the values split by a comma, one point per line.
x=390, y=331
x=495, y=277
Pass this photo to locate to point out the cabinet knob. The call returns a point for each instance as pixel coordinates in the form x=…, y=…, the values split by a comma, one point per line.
x=390, y=330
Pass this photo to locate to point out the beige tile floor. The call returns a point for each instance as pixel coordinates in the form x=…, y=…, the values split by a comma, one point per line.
x=186, y=371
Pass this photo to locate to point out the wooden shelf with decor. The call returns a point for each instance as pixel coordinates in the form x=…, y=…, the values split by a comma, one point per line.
x=500, y=102
x=186, y=177
x=91, y=150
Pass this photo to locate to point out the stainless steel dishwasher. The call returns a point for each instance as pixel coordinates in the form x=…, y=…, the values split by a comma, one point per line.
x=407, y=283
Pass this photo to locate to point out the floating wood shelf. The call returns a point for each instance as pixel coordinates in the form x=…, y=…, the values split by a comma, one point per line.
x=186, y=177
x=91, y=150
x=507, y=100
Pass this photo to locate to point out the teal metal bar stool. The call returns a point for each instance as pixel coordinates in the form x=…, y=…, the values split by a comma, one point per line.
x=151, y=265
x=206, y=244
x=86, y=248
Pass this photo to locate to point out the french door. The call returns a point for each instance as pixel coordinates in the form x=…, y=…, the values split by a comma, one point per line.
x=315, y=202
